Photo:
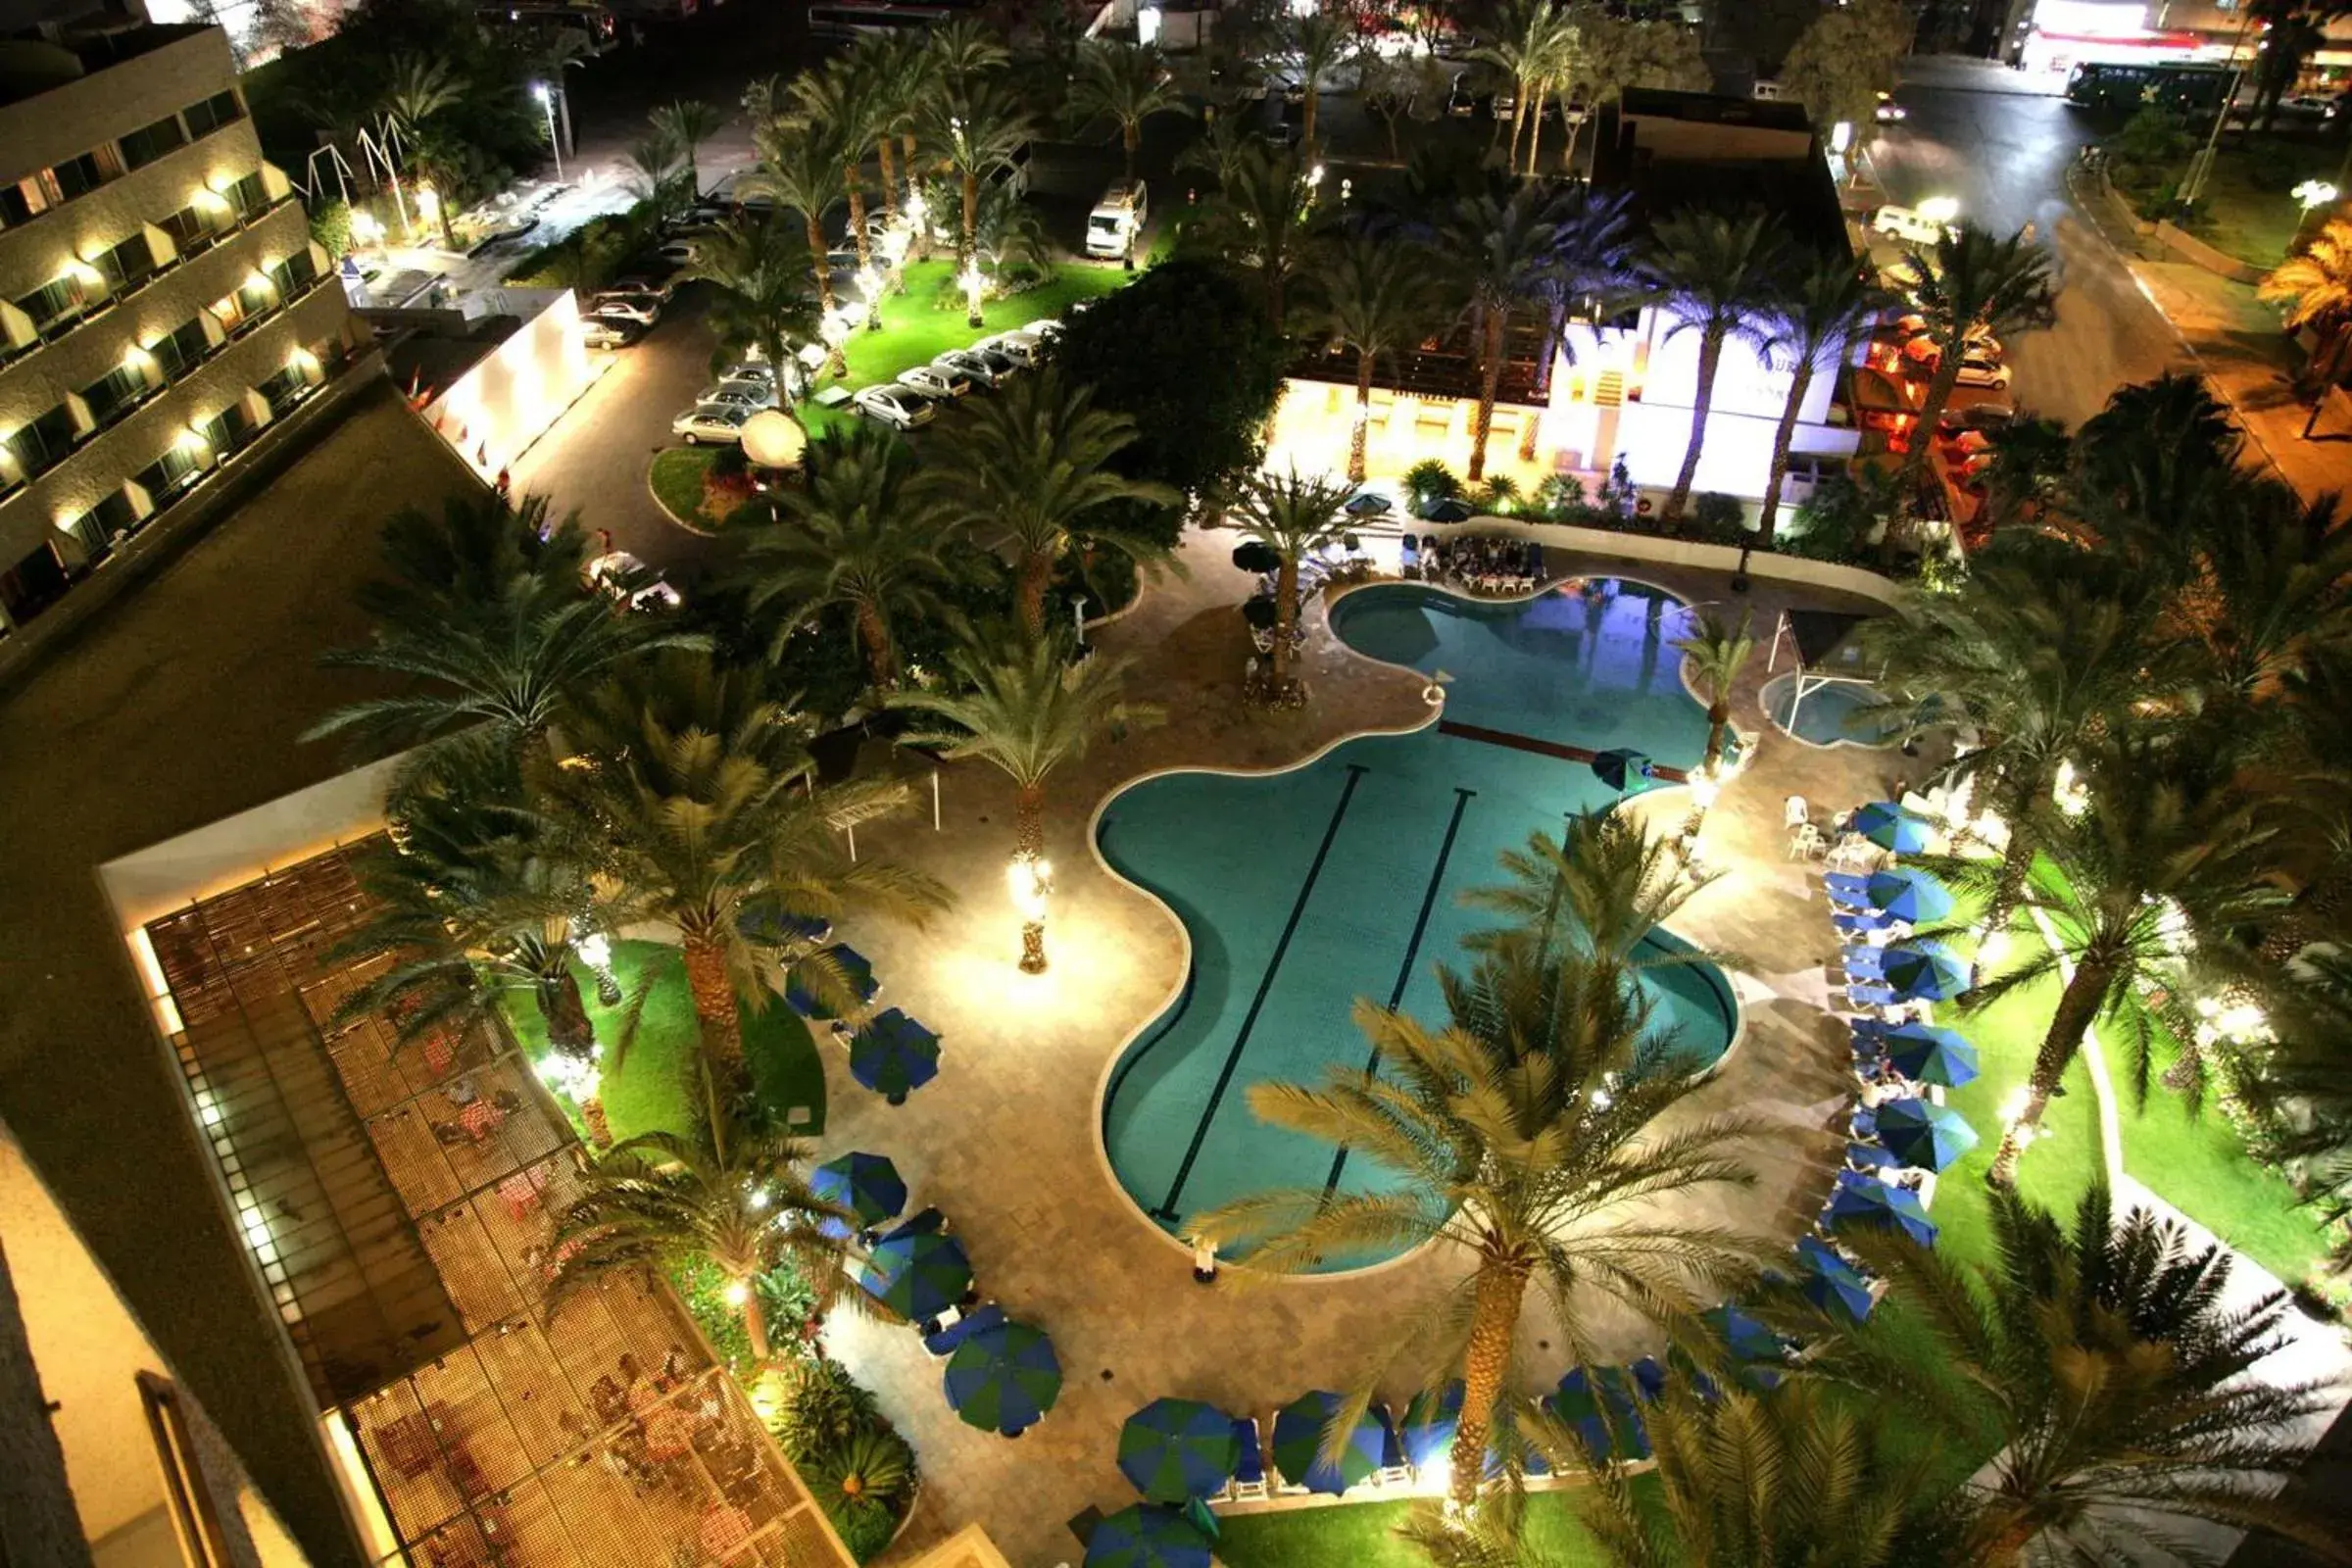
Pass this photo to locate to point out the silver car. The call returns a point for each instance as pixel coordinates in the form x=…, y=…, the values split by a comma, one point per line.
x=718, y=422
x=751, y=395
x=987, y=370
x=1019, y=347
x=939, y=381
x=899, y=406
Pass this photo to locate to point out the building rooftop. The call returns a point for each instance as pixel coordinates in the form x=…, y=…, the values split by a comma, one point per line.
x=40, y=61
x=1675, y=150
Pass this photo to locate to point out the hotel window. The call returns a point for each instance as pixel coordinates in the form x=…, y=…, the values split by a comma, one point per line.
x=167, y=475
x=98, y=528
x=176, y=355
x=215, y=112
x=146, y=144
x=295, y=273
x=23, y=200
x=189, y=229
x=44, y=443
x=32, y=584
x=249, y=196
x=229, y=431
x=127, y=265
x=284, y=389
x=77, y=175
x=53, y=302
x=115, y=394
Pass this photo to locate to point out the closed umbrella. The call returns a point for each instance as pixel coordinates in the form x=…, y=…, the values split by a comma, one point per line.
x=919, y=1274
x=893, y=1056
x=1829, y=1281
x=1146, y=1535
x=1298, y=1438
x=1890, y=827
x=1930, y=1137
x=856, y=967
x=1909, y=894
x=1430, y=1421
x=1927, y=1054
x=1621, y=769
x=868, y=1186
x=1004, y=1378
x=1176, y=1449
x=1867, y=1200
x=1926, y=970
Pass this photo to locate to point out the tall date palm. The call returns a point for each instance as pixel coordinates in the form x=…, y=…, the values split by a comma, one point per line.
x=1714, y=275
x=1373, y=302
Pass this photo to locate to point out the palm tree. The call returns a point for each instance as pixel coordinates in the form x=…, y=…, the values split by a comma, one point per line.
x=1263, y=220
x=1523, y=1133
x=1374, y=301
x=688, y=122
x=1029, y=468
x=692, y=795
x=841, y=98
x=1291, y=517
x=1717, y=654
x=422, y=88
x=856, y=534
x=1816, y=316
x=1791, y=1477
x=1499, y=254
x=967, y=50
x=737, y=1198
x=1714, y=275
x=1317, y=41
x=1221, y=147
x=2299, y=1084
x=1022, y=707
x=1126, y=84
x=800, y=170
x=2044, y=667
x=976, y=130
x=1971, y=285
x=2316, y=287
x=486, y=624
x=1530, y=37
x=656, y=176
x=1596, y=892
x=758, y=272
x=2168, y=857
x=2107, y=1376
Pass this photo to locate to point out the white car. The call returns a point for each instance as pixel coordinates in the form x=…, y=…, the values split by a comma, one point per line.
x=1978, y=372
x=758, y=370
x=1907, y=225
x=1889, y=112
x=1987, y=415
x=679, y=252
x=719, y=422
x=643, y=309
x=939, y=381
x=1044, y=326
x=631, y=581
x=602, y=332
x=1019, y=347
x=736, y=395
x=898, y=406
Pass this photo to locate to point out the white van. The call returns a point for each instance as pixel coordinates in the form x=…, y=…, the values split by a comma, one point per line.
x=1907, y=225
x=1117, y=220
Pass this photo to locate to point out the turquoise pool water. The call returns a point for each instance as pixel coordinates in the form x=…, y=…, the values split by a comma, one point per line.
x=1304, y=890
x=1827, y=715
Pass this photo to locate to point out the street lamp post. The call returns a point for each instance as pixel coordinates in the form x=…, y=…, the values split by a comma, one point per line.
x=555, y=142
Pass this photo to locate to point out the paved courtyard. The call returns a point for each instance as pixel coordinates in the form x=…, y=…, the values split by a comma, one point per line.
x=1008, y=1140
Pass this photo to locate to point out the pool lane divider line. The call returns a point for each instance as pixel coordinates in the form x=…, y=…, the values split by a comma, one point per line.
x=1412, y=952
x=1543, y=748
x=1282, y=945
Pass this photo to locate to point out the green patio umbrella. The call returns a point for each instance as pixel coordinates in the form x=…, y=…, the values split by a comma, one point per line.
x=1003, y=1379
x=1147, y=1535
x=1174, y=1449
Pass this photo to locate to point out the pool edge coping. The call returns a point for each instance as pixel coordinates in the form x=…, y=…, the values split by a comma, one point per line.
x=1098, y=1140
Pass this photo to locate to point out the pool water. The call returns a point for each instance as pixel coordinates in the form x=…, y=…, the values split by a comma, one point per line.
x=1829, y=713
x=1306, y=890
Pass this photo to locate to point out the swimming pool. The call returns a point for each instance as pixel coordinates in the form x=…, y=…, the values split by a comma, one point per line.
x=1306, y=890
x=1827, y=716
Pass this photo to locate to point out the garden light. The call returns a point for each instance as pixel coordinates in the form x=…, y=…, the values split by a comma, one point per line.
x=737, y=1293
x=1030, y=877
x=2014, y=1105
x=2314, y=193
x=972, y=282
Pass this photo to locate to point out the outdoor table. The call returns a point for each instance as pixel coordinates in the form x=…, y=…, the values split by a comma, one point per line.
x=480, y=1119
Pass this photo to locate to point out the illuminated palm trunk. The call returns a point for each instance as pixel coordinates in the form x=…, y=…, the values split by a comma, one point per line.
x=907, y=162
x=1357, y=441
x=1711, y=356
x=754, y=1321
x=1489, y=383
x=837, y=365
x=881, y=658
x=716, y=1011
x=1037, y=575
x=1029, y=852
x=1494, y=1325
x=884, y=153
x=1286, y=618
x=857, y=192
x=1780, y=438
x=2078, y=1006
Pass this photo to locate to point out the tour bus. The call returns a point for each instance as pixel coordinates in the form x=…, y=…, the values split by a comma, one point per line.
x=2179, y=86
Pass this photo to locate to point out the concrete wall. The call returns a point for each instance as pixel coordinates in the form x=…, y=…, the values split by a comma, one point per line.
x=1681, y=553
x=69, y=120
x=497, y=409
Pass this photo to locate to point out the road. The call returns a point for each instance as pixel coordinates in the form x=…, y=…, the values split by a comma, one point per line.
x=2005, y=153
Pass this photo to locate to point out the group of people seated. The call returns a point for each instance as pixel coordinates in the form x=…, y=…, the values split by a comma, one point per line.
x=1488, y=563
x=655, y=1431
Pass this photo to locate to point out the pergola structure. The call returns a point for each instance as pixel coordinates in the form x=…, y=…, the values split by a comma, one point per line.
x=1821, y=641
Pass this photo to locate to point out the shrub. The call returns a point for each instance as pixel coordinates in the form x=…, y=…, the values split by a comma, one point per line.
x=1499, y=495
x=874, y=1465
x=1430, y=480
x=1561, y=498
x=865, y=1528
x=820, y=1408
x=1717, y=516
x=331, y=227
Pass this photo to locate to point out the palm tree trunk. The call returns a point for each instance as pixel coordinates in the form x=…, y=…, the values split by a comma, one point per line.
x=1361, y=435
x=1131, y=136
x=881, y=658
x=1489, y=382
x=1037, y=575
x=1719, y=720
x=838, y=364
x=890, y=179
x=1711, y=356
x=1306, y=121
x=1576, y=132
x=754, y=1322
x=2017, y=863
x=2300, y=924
x=565, y=1011
x=1494, y=1325
x=1286, y=618
x=1939, y=393
x=907, y=164
x=716, y=1013
x=1799, y=385
x=857, y=190
x=600, y=1127
x=1029, y=820
x=972, y=217
x=1518, y=120
x=1535, y=135
x=2078, y=1006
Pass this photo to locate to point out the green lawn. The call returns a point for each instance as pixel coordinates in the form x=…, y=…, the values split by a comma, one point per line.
x=678, y=479
x=1362, y=1534
x=653, y=1088
x=914, y=331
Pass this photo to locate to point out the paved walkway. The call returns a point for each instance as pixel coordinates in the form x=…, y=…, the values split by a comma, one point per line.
x=1006, y=1141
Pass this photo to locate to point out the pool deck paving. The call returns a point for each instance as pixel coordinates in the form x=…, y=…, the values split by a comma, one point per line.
x=1008, y=1140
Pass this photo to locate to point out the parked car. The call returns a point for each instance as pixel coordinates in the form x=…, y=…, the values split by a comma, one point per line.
x=1889, y=112
x=1012, y=174
x=1907, y=225
x=940, y=381
x=1283, y=135
x=643, y=309
x=898, y=404
x=1045, y=329
x=758, y=370
x=719, y=422
x=986, y=370
x=1118, y=219
x=631, y=581
x=1989, y=415
x=1019, y=347
x=645, y=285
x=1504, y=105
x=602, y=332
x=1975, y=372
x=679, y=252
x=736, y=395
x=1460, y=102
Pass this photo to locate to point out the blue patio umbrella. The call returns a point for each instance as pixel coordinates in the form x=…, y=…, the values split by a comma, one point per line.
x=856, y=967
x=1649, y=1378
x=1004, y=1378
x=1909, y=894
x=1621, y=769
x=1870, y=1157
x=1368, y=504
x=868, y=1186
x=1890, y=827
x=919, y=1274
x=1298, y=1436
x=893, y=1056
x=1754, y=1351
x=1867, y=1200
x=1602, y=1412
x=1146, y=1535
x=1925, y=969
x=1829, y=1281
x=1928, y=1054
x=1930, y=1137
x=1428, y=1426
x=1176, y=1449
x=763, y=919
